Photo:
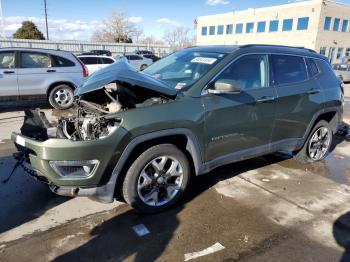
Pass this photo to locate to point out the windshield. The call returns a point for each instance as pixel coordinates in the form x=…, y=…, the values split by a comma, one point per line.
x=183, y=68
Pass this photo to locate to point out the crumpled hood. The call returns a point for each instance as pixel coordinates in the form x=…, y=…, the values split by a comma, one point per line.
x=124, y=72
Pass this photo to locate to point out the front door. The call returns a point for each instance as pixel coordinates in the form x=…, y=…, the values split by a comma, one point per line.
x=241, y=122
x=8, y=76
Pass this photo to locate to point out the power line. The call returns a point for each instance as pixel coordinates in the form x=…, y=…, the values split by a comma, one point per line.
x=47, y=27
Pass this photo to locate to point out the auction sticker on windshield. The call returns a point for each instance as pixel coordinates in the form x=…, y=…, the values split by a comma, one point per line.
x=204, y=60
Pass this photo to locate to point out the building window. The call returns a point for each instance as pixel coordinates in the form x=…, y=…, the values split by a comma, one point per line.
x=211, y=30
x=303, y=23
x=347, y=52
x=287, y=25
x=273, y=26
x=340, y=53
x=239, y=28
x=261, y=27
x=204, y=30
x=229, y=29
x=327, y=23
x=249, y=28
x=336, y=24
x=323, y=50
x=220, y=29
x=344, y=27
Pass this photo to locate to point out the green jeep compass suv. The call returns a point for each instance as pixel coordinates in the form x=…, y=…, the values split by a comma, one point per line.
x=142, y=135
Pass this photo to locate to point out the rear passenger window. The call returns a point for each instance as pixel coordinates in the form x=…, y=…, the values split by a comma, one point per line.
x=106, y=60
x=35, y=60
x=62, y=62
x=288, y=69
x=313, y=69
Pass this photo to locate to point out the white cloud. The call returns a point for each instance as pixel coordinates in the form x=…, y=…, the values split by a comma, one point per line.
x=217, y=2
x=168, y=21
x=59, y=29
x=135, y=19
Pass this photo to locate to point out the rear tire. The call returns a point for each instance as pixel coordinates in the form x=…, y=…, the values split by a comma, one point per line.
x=61, y=97
x=317, y=145
x=157, y=179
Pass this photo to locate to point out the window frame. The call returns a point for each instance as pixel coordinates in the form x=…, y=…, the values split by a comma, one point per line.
x=336, y=24
x=327, y=23
x=301, y=27
x=287, y=27
x=277, y=25
x=345, y=26
x=227, y=27
x=206, y=30
x=258, y=26
x=340, y=55
x=240, y=25
x=291, y=83
x=220, y=30
x=19, y=59
x=212, y=30
x=247, y=26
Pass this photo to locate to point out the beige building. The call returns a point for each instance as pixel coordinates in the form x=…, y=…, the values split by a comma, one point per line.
x=317, y=24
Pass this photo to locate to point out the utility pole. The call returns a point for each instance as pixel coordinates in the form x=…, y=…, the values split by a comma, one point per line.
x=47, y=27
x=2, y=33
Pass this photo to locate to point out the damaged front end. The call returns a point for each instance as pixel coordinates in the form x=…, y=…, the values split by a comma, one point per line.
x=74, y=154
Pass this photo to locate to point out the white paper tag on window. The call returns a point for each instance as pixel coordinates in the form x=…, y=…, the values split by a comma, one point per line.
x=204, y=60
x=20, y=141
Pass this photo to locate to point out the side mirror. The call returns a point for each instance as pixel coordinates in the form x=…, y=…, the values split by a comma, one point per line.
x=224, y=86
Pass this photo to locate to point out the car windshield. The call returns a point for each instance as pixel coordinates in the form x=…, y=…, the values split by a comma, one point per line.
x=182, y=69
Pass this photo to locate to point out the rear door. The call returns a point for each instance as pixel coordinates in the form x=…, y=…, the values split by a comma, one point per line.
x=241, y=122
x=298, y=98
x=8, y=75
x=34, y=69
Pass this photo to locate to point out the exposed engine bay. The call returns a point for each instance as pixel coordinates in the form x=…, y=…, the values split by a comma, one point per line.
x=95, y=114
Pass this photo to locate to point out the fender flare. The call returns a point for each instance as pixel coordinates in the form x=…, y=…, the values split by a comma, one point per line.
x=105, y=193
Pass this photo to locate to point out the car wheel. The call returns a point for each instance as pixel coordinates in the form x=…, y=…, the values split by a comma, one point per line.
x=61, y=97
x=318, y=143
x=143, y=67
x=157, y=179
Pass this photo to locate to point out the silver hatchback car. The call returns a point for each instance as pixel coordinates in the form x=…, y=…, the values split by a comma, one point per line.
x=342, y=71
x=32, y=74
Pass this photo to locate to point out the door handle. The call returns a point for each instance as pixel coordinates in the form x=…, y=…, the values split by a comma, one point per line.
x=50, y=70
x=266, y=99
x=313, y=91
x=9, y=72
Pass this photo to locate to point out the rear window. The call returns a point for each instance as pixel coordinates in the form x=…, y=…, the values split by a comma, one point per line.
x=288, y=69
x=35, y=60
x=89, y=60
x=106, y=60
x=59, y=61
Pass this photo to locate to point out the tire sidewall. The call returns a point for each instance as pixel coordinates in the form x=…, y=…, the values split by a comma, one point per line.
x=52, y=101
x=131, y=180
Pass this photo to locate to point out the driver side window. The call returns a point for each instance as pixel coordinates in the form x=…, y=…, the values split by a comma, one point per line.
x=248, y=72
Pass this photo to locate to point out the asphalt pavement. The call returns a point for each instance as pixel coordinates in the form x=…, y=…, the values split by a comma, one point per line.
x=269, y=208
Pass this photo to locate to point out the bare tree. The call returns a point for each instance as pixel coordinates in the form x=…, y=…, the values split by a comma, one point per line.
x=179, y=37
x=151, y=40
x=117, y=28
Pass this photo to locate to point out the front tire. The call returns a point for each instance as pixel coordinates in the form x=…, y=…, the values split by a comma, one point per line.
x=61, y=97
x=318, y=143
x=157, y=179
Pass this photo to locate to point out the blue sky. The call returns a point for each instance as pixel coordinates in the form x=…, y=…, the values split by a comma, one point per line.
x=77, y=19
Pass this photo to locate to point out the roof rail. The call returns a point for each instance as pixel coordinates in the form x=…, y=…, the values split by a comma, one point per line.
x=267, y=45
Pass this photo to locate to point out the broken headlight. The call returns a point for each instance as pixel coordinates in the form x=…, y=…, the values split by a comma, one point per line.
x=75, y=168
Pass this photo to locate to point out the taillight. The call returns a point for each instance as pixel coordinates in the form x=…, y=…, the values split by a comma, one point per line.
x=85, y=70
